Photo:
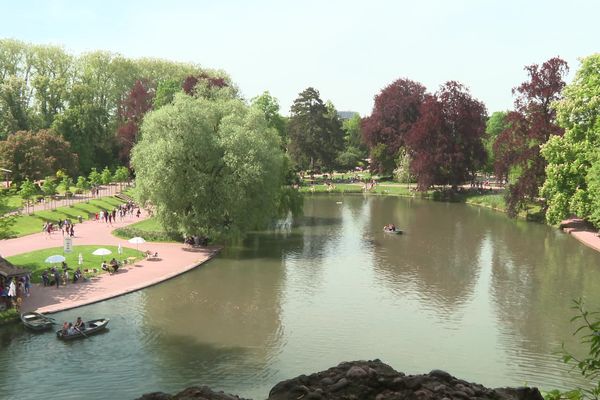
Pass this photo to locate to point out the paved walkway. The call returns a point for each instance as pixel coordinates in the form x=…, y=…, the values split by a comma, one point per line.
x=582, y=231
x=174, y=260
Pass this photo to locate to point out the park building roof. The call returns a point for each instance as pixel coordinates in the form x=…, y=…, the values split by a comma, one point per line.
x=7, y=270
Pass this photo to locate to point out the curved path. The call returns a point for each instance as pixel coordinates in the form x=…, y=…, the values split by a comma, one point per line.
x=582, y=231
x=175, y=259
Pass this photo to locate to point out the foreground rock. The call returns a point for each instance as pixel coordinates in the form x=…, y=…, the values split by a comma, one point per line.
x=367, y=380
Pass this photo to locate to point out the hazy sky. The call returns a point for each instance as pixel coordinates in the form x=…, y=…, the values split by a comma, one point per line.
x=348, y=50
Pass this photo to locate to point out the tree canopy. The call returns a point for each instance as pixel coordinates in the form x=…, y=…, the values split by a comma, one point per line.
x=35, y=155
x=315, y=132
x=530, y=125
x=446, y=141
x=85, y=99
x=210, y=166
x=395, y=111
x=572, y=184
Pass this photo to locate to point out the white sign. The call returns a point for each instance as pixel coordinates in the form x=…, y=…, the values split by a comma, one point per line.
x=68, y=245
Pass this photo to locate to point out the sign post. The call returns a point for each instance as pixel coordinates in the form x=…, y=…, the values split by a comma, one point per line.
x=68, y=245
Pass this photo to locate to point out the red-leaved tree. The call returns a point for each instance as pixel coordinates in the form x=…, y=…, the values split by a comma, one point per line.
x=189, y=84
x=517, y=148
x=132, y=111
x=395, y=111
x=446, y=141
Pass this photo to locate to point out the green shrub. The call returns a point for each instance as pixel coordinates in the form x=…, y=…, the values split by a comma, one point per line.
x=9, y=315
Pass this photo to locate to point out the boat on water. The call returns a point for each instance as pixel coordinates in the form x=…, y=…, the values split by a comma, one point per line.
x=91, y=327
x=394, y=231
x=36, y=321
x=391, y=228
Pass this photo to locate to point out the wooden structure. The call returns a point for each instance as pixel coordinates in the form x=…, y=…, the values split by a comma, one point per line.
x=6, y=173
x=7, y=270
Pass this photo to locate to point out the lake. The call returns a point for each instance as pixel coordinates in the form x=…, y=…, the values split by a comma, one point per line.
x=465, y=289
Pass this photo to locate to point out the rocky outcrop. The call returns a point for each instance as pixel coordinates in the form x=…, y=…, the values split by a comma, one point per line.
x=367, y=380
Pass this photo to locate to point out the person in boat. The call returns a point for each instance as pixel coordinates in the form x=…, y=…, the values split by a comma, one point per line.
x=392, y=227
x=79, y=324
x=71, y=330
x=65, y=328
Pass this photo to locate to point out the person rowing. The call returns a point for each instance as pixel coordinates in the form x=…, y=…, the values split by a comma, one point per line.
x=79, y=324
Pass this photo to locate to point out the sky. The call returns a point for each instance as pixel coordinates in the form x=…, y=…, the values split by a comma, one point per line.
x=348, y=50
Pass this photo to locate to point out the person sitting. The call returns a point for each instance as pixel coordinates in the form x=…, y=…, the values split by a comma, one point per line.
x=79, y=324
x=71, y=330
x=77, y=275
x=393, y=228
x=104, y=266
x=65, y=328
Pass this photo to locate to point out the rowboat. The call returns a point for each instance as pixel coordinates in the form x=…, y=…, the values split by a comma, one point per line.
x=91, y=327
x=36, y=321
x=394, y=232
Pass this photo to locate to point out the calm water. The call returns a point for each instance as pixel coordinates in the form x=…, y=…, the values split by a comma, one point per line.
x=465, y=290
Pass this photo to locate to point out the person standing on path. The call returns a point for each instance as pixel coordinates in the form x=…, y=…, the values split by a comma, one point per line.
x=57, y=277
x=12, y=290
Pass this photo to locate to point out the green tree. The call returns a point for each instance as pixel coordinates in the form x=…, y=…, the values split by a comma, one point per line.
x=82, y=185
x=165, y=92
x=355, y=151
x=495, y=124
x=95, y=177
x=121, y=175
x=315, y=132
x=27, y=191
x=6, y=220
x=572, y=184
x=49, y=188
x=209, y=166
x=106, y=178
x=67, y=183
x=270, y=107
x=402, y=171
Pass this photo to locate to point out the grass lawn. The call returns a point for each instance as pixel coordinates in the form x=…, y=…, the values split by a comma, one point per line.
x=35, y=260
x=28, y=224
x=399, y=189
x=149, y=229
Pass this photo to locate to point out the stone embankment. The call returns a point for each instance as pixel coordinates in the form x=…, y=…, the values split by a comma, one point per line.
x=367, y=380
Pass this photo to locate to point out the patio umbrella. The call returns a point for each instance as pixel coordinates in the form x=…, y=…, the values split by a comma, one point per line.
x=55, y=259
x=102, y=252
x=137, y=241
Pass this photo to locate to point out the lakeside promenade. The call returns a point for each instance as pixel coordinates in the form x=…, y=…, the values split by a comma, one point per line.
x=174, y=259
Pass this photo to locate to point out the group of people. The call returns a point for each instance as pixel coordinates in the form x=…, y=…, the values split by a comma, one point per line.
x=111, y=267
x=121, y=211
x=390, y=228
x=196, y=240
x=54, y=277
x=73, y=328
x=13, y=289
x=66, y=227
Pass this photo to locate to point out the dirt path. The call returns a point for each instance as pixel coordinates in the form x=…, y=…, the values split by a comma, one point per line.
x=174, y=259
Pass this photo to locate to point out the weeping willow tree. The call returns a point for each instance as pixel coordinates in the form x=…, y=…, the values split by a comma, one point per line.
x=210, y=166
